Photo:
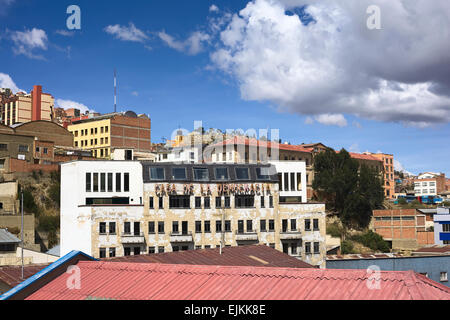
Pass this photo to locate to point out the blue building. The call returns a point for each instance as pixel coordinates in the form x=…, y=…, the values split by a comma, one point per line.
x=442, y=226
x=435, y=267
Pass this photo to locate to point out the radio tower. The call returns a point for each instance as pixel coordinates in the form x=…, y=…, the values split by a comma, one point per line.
x=115, y=91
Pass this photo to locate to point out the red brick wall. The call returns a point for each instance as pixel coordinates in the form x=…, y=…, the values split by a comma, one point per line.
x=24, y=166
x=131, y=133
x=426, y=237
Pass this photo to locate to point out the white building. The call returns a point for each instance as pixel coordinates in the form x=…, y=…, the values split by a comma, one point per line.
x=442, y=226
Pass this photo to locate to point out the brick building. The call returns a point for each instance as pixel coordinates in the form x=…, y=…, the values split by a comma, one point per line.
x=429, y=184
x=388, y=165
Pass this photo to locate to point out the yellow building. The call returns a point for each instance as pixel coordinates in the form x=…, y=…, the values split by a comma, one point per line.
x=389, y=182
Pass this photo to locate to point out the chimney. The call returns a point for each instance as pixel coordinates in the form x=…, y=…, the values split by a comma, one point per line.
x=36, y=103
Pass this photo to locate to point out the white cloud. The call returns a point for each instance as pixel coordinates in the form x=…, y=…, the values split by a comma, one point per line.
x=335, y=65
x=65, y=33
x=331, y=119
x=25, y=42
x=213, y=8
x=130, y=33
x=7, y=82
x=399, y=167
x=68, y=104
x=192, y=45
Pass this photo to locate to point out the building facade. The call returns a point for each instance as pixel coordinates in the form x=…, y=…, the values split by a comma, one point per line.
x=389, y=181
x=124, y=208
x=103, y=134
x=429, y=184
x=442, y=226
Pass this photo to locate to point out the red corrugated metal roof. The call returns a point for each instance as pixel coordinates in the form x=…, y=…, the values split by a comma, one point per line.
x=12, y=275
x=252, y=255
x=150, y=281
x=435, y=249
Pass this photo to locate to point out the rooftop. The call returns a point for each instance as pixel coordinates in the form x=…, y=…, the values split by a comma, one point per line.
x=7, y=237
x=12, y=275
x=261, y=143
x=150, y=281
x=445, y=249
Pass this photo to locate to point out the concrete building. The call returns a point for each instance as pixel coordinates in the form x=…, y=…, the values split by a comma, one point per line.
x=429, y=184
x=9, y=202
x=442, y=226
x=122, y=208
x=22, y=107
x=388, y=165
x=103, y=134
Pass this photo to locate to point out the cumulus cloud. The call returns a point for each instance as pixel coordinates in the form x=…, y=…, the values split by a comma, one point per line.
x=7, y=82
x=68, y=104
x=124, y=33
x=26, y=42
x=399, y=167
x=328, y=120
x=213, y=8
x=335, y=65
x=192, y=45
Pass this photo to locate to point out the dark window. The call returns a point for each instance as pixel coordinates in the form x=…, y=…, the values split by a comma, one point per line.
x=151, y=205
x=249, y=225
x=102, y=253
x=262, y=202
x=293, y=224
x=263, y=173
x=280, y=181
x=127, y=251
x=3, y=147
x=244, y=201
x=241, y=226
x=126, y=182
x=88, y=182
x=180, y=202
x=107, y=201
x=307, y=224
x=286, y=181
x=293, y=248
x=102, y=229
x=160, y=249
x=286, y=248
x=184, y=227
x=137, y=228
x=151, y=227
x=221, y=173
x=198, y=226
x=112, y=252
x=161, y=227
x=292, y=181
x=201, y=174
x=156, y=173
x=175, y=248
x=271, y=225
x=175, y=226
x=161, y=203
x=102, y=182
x=308, y=247
x=227, y=225
x=271, y=201
x=23, y=148
x=207, y=226
x=198, y=202
x=112, y=228
x=127, y=227
x=316, y=247
x=218, y=202
x=316, y=224
x=151, y=250
x=207, y=203
x=137, y=251
x=263, y=225
x=95, y=182
x=242, y=174
x=118, y=182
x=284, y=225
x=179, y=173
x=218, y=226
x=110, y=182
x=227, y=202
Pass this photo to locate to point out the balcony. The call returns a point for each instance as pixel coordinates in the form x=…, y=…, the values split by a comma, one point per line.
x=246, y=236
x=128, y=237
x=290, y=234
x=181, y=237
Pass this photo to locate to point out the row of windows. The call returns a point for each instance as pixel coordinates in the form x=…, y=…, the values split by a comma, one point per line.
x=394, y=218
x=290, y=181
x=84, y=132
x=202, y=174
x=293, y=246
x=425, y=184
x=184, y=202
x=446, y=228
x=94, y=142
x=103, y=182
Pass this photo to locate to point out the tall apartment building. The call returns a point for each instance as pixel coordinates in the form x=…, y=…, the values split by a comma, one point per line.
x=22, y=107
x=388, y=165
x=103, y=134
x=429, y=184
x=117, y=208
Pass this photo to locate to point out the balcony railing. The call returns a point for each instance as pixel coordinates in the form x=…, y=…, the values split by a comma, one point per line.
x=181, y=237
x=128, y=237
x=249, y=235
x=286, y=234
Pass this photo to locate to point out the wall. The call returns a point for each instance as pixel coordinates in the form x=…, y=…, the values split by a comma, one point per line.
x=29, y=257
x=433, y=265
x=24, y=166
x=13, y=141
x=15, y=221
x=8, y=197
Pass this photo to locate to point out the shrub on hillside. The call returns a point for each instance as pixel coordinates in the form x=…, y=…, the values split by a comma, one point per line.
x=346, y=247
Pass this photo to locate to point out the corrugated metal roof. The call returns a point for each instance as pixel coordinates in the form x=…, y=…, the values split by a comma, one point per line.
x=435, y=249
x=7, y=237
x=363, y=256
x=11, y=275
x=252, y=255
x=144, y=281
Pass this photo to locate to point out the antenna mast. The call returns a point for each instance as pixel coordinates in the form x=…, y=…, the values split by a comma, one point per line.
x=115, y=91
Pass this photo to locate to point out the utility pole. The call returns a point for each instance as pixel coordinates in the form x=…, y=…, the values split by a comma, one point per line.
x=21, y=191
x=115, y=91
x=222, y=242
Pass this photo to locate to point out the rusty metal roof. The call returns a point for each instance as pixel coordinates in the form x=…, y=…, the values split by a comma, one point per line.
x=11, y=275
x=435, y=249
x=252, y=255
x=151, y=281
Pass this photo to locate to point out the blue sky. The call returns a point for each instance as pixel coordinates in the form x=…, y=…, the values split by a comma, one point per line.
x=176, y=86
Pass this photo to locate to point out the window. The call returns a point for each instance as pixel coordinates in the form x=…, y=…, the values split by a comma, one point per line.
x=316, y=247
x=106, y=129
x=308, y=247
x=271, y=225
x=263, y=173
x=110, y=182
x=23, y=148
x=160, y=249
x=151, y=227
x=180, y=202
x=161, y=227
x=286, y=181
x=3, y=147
x=118, y=182
x=112, y=252
x=161, y=203
x=408, y=218
x=293, y=248
x=227, y=225
x=101, y=130
x=137, y=251
x=88, y=182
x=316, y=224
x=207, y=227
x=299, y=181
x=244, y=201
x=293, y=224
x=102, y=228
x=249, y=226
x=280, y=182
x=179, y=173
x=150, y=203
x=284, y=225
x=95, y=182
x=127, y=251
x=127, y=228
x=241, y=226
x=156, y=173
x=262, y=202
x=126, y=182
x=151, y=250
x=444, y=277
x=102, y=253
x=218, y=202
x=201, y=174
x=221, y=173
x=262, y=225
x=175, y=226
x=446, y=227
x=102, y=182
x=198, y=202
x=227, y=202
x=198, y=226
x=207, y=202
x=242, y=174
x=292, y=181
x=175, y=248
x=218, y=226
x=271, y=201
x=112, y=228
x=307, y=224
